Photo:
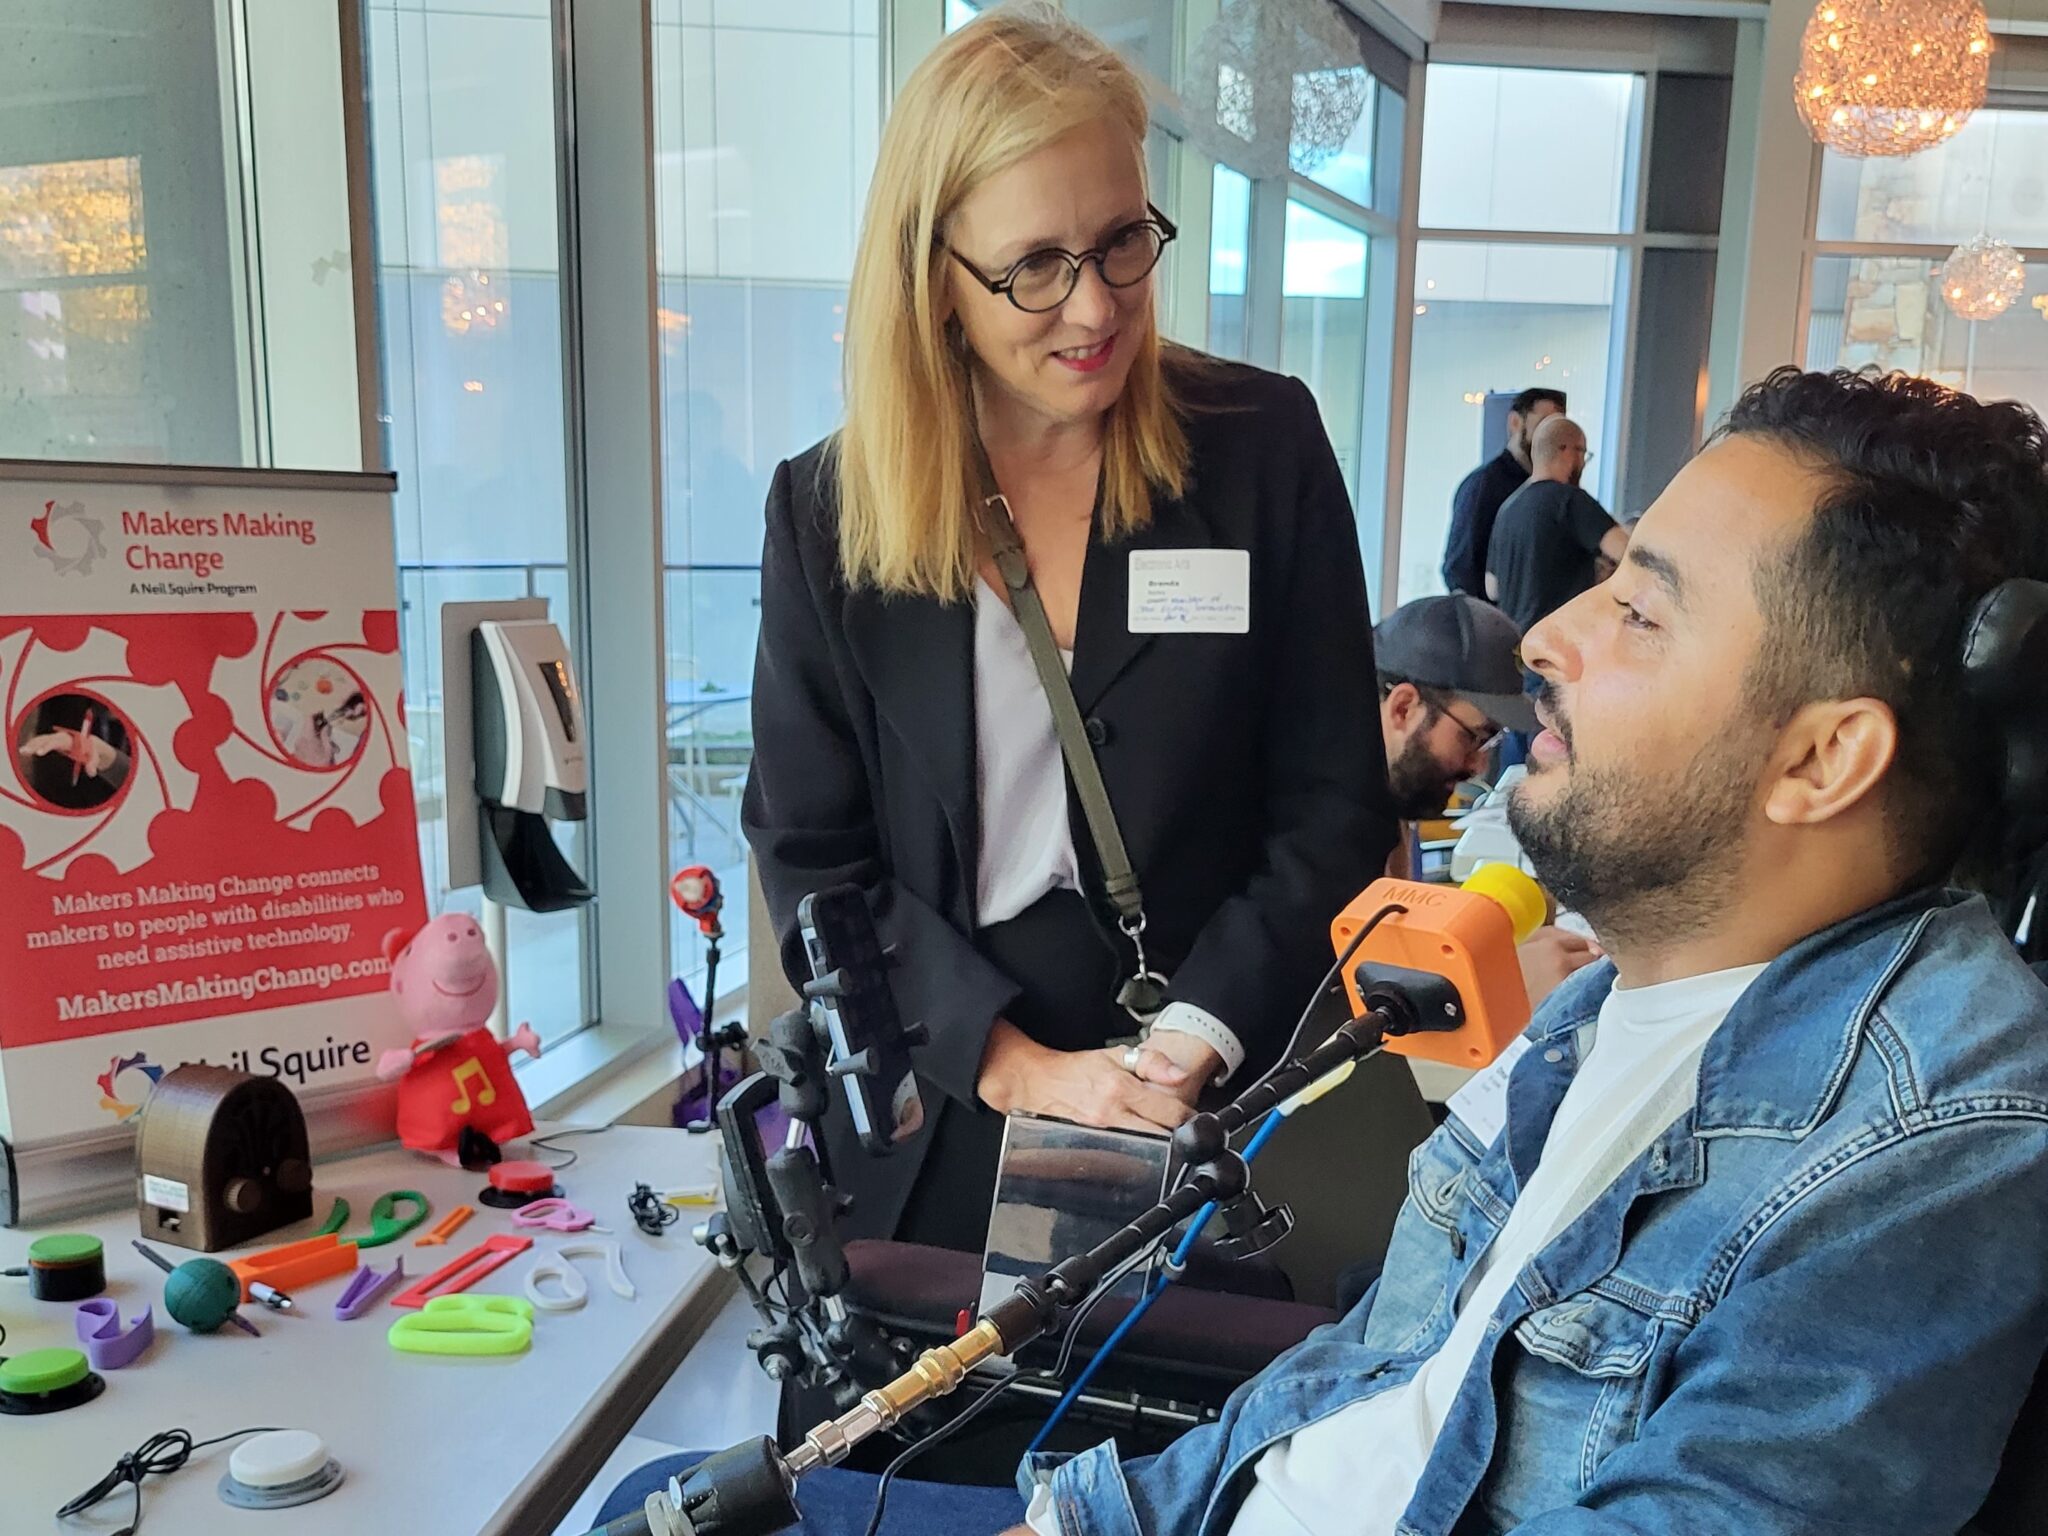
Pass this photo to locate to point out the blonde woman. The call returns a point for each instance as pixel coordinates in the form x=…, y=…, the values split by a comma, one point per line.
x=1186, y=532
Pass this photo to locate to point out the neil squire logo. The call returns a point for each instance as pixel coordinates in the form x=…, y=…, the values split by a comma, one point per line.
x=67, y=538
x=112, y=1093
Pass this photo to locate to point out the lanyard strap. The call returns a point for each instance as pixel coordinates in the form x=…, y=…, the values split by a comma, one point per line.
x=1144, y=991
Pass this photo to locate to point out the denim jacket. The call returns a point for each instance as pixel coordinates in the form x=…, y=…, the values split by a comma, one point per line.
x=1814, y=1304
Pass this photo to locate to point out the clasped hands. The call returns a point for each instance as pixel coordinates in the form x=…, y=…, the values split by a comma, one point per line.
x=1018, y=1075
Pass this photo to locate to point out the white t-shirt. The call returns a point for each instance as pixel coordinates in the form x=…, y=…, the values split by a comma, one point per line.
x=1354, y=1473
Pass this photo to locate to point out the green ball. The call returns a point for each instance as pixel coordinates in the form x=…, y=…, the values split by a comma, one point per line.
x=200, y=1293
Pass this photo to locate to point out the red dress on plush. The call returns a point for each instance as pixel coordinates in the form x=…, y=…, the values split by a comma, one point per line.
x=466, y=1082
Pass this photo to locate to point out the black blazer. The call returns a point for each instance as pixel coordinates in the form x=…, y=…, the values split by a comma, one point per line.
x=1246, y=771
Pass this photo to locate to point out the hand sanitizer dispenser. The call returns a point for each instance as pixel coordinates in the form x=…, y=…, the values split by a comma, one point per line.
x=529, y=761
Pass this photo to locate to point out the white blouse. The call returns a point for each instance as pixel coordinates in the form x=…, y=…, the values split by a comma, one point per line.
x=1027, y=841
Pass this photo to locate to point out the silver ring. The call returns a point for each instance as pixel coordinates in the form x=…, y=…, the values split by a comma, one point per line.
x=1131, y=1053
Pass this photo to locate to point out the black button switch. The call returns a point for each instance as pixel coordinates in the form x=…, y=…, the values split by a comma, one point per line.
x=1098, y=731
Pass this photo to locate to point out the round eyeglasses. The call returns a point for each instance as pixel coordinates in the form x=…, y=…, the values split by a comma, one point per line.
x=1044, y=280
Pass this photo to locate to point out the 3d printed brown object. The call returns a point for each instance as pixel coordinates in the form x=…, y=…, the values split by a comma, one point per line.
x=221, y=1158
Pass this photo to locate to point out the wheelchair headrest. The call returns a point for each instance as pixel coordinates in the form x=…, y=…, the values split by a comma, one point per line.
x=2005, y=670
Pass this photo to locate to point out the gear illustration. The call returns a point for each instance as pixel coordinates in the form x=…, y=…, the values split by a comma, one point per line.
x=67, y=538
x=151, y=779
x=313, y=710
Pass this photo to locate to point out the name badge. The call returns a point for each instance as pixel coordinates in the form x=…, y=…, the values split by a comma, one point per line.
x=1191, y=592
x=1483, y=1102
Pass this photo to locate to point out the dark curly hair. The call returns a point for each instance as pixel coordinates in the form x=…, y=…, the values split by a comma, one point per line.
x=1932, y=498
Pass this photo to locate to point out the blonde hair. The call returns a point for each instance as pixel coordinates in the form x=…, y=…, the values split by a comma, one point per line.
x=1003, y=87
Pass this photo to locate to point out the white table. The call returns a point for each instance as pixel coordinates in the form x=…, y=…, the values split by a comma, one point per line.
x=429, y=1443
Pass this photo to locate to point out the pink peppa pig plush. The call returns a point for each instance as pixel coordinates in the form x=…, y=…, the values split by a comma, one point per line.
x=457, y=1077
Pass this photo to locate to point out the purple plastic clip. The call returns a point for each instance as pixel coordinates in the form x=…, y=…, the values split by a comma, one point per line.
x=106, y=1345
x=365, y=1288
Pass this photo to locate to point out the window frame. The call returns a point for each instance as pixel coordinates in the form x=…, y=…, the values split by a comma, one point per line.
x=626, y=973
x=1813, y=249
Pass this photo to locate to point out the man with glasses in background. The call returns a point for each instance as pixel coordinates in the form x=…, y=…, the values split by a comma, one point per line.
x=1450, y=676
x=1550, y=533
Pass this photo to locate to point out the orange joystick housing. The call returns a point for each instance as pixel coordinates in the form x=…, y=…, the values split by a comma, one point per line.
x=1465, y=935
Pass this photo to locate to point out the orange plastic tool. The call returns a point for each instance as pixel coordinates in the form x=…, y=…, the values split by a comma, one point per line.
x=446, y=1227
x=295, y=1264
x=460, y=1274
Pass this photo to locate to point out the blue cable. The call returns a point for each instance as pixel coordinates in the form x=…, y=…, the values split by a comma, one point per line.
x=1175, y=1267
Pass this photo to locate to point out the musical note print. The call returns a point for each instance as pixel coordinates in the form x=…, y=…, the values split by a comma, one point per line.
x=486, y=1096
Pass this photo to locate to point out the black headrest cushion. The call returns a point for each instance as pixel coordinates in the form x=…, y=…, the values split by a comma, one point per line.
x=2005, y=669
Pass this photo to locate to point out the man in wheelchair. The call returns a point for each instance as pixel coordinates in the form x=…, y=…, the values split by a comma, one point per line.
x=1756, y=1240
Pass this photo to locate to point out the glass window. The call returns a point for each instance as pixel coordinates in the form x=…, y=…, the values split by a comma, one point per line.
x=1527, y=149
x=1323, y=323
x=468, y=274
x=1230, y=239
x=1988, y=177
x=1145, y=32
x=1348, y=172
x=959, y=13
x=1887, y=312
x=168, y=294
x=766, y=118
x=1496, y=319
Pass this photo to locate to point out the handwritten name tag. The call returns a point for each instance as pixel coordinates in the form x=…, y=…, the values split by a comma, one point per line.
x=1191, y=592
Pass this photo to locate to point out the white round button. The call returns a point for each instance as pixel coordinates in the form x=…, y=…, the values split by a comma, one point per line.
x=275, y=1459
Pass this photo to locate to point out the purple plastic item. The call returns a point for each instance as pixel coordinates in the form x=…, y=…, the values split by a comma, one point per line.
x=365, y=1289
x=106, y=1345
x=695, y=1104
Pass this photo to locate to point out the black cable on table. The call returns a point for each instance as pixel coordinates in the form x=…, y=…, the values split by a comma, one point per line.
x=548, y=1141
x=160, y=1455
x=651, y=1214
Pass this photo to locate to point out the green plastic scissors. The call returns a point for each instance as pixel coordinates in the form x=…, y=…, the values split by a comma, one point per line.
x=386, y=1226
x=466, y=1325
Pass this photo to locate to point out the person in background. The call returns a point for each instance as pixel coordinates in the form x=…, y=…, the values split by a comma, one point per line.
x=1550, y=532
x=1450, y=685
x=1603, y=567
x=1006, y=377
x=1477, y=501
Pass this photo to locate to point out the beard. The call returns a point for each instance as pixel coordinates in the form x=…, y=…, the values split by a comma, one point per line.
x=1420, y=785
x=1643, y=856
